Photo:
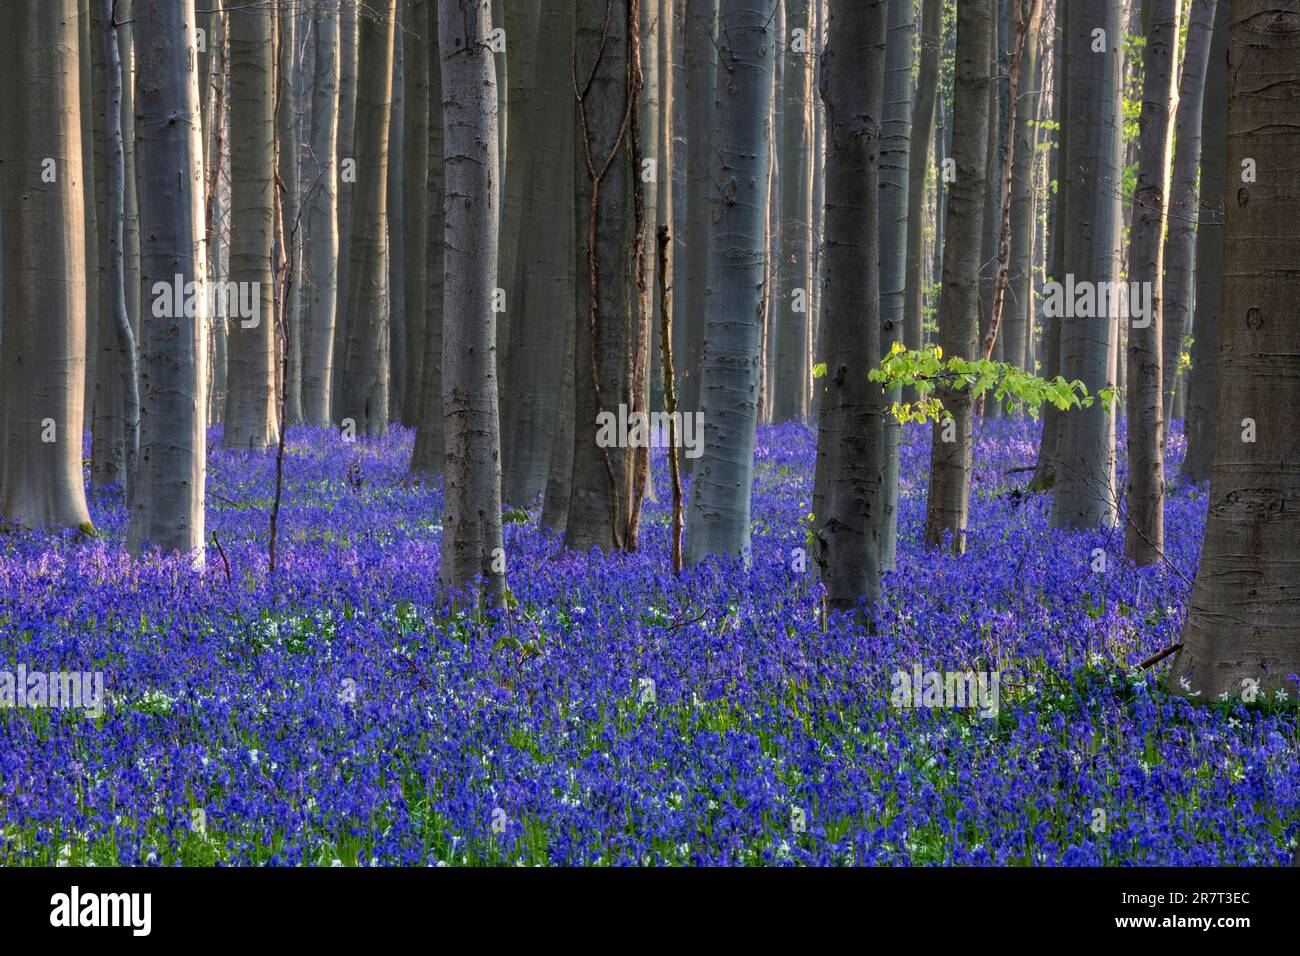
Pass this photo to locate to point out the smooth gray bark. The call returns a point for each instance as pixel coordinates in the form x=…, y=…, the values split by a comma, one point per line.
x=43, y=360
x=415, y=198
x=793, y=306
x=1144, y=529
x=542, y=290
x=322, y=226
x=1084, y=496
x=717, y=520
x=1180, y=238
x=365, y=370
x=1201, y=400
x=250, y=418
x=168, y=496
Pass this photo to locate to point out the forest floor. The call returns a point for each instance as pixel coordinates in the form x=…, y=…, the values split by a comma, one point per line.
x=337, y=714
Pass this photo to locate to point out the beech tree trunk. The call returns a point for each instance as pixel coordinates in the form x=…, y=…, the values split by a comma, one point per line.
x=918, y=166
x=690, y=305
x=850, y=435
x=365, y=370
x=895, y=164
x=1144, y=531
x=542, y=290
x=430, y=444
x=42, y=205
x=1242, y=630
x=601, y=506
x=1084, y=496
x=472, y=549
x=792, y=312
x=717, y=520
x=168, y=497
x=415, y=198
x=322, y=227
x=1180, y=239
x=251, y=419
x=1199, y=426
x=947, y=503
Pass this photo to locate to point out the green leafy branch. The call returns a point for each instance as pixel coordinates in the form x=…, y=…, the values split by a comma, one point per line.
x=927, y=371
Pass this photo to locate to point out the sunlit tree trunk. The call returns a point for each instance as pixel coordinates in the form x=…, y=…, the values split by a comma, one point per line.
x=348, y=13
x=167, y=500
x=1180, y=240
x=1144, y=533
x=1199, y=425
x=322, y=232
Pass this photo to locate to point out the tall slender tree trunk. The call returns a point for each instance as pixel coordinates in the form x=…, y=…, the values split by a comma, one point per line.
x=951, y=450
x=1199, y=426
x=250, y=419
x=1242, y=630
x=602, y=508
x=1144, y=533
x=415, y=197
x=471, y=539
x=717, y=520
x=1084, y=496
x=349, y=10
x=42, y=205
x=365, y=371
x=850, y=435
x=288, y=137
x=895, y=145
x=430, y=444
x=701, y=81
x=1018, y=297
x=923, y=135
x=123, y=332
x=321, y=280
x=1053, y=424
x=108, y=426
x=1180, y=240
x=395, y=346
x=793, y=305
x=542, y=290
x=87, y=42
x=167, y=500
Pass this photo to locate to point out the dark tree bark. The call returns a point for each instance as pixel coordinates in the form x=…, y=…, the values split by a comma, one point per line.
x=948, y=500
x=472, y=550
x=1242, y=629
x=850, y=437
x=1199, y=425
